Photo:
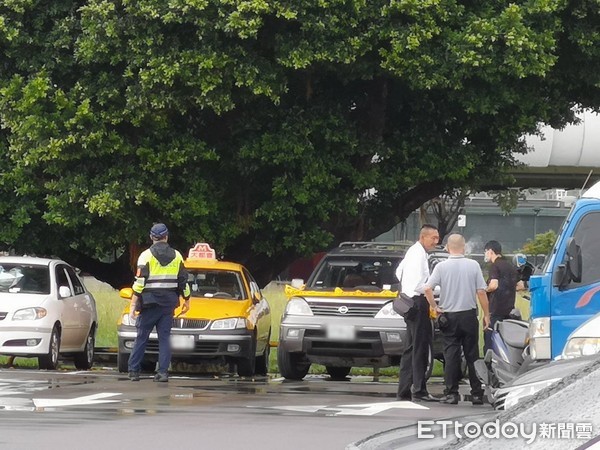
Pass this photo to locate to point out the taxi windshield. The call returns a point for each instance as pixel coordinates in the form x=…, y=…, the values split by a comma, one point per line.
x=23, y=279
x=216, y=283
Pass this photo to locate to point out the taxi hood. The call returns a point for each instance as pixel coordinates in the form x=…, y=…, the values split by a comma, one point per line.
x=216, y=308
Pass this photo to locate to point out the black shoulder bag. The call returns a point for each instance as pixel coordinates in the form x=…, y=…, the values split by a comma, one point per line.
x=404, y=304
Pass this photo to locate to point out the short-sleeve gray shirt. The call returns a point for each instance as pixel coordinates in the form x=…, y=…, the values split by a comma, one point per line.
x=459, y=279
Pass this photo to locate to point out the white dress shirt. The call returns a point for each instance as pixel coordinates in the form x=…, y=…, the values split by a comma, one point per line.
x=413, y=270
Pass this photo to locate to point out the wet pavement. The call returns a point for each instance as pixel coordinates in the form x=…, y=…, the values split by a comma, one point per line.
x=102, y=408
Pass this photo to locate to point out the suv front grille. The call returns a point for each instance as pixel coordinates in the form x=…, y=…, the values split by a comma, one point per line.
x=197, y=324
x=344, y=309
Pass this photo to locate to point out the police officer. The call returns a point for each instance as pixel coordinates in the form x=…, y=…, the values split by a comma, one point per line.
x=160, y=280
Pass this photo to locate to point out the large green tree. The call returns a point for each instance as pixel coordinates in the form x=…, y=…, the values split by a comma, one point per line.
x=270, y=129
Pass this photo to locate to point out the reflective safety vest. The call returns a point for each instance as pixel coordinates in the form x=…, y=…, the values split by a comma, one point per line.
x=153, y=276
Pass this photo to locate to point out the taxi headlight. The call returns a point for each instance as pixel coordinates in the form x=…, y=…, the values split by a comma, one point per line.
x=387, y=312
x=581, y=347
x=30, y=314
x=298, y=307
x=126, y=320
x=228, y=324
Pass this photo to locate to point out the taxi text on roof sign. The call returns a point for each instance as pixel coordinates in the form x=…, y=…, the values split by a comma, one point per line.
x=201, y=251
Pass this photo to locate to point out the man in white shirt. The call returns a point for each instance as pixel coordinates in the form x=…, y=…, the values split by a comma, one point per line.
x=412, y=273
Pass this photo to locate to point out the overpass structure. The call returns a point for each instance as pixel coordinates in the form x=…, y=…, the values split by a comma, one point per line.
x=567, y=158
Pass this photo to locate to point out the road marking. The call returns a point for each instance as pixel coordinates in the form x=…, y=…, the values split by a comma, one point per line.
x=85, y=400
x=364, y=409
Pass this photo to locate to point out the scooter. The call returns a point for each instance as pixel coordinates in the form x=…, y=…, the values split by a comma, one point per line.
x=508, y=356
x=504, y=360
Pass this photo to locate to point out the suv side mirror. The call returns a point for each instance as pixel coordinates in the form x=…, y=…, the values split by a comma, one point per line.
x=297, y=283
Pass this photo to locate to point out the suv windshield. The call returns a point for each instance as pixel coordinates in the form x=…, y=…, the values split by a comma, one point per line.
x=216, y=283
x=22, y=279
x=356, y=272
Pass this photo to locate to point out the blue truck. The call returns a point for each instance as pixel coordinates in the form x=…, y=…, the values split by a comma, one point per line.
x=567, y=290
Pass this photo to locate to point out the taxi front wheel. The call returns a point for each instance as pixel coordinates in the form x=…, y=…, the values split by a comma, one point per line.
x=246, y=366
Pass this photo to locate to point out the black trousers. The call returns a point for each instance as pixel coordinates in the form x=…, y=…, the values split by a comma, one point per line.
x=462, y=333
x=487, y=335
x=413, y=363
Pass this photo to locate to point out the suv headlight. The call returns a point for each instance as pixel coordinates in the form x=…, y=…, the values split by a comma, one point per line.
x=30, y=314
x=387, y=312
x=298, y=307
x=581, y=347
x=228, y=324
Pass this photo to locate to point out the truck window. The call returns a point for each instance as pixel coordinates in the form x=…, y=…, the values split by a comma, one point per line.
x=586, y=236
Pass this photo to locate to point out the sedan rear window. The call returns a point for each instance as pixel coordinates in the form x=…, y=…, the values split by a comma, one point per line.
x=24, y=279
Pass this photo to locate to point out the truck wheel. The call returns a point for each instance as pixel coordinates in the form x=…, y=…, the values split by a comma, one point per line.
x=292, y=366
x=338, y=373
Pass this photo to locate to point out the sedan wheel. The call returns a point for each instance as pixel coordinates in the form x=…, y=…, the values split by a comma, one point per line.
x=49, y=361
x=85, y=359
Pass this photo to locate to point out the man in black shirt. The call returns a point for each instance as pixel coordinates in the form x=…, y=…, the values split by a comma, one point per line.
x=501, y=289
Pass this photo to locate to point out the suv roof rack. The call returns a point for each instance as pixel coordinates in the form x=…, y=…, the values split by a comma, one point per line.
x=376, y=245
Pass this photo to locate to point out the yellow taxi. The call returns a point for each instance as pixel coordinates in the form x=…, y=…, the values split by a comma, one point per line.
x=228, y=318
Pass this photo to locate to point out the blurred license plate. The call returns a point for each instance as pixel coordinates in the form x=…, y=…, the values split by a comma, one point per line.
x=182, y=342
x=341, y=332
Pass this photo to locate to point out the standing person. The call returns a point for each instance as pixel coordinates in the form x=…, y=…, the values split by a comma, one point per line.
x=160, y=280
x=461, y=282
x=501, y=288
x=412, y=273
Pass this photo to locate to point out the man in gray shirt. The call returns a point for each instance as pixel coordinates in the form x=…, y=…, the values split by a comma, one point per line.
x=461, y=283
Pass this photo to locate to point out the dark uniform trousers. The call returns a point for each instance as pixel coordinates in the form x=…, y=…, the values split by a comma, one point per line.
x=462, y=333
x=414, y=360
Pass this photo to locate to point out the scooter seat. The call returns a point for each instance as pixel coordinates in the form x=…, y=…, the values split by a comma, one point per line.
x=513, y=332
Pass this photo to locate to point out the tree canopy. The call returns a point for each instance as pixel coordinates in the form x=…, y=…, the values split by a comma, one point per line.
x=271, y=129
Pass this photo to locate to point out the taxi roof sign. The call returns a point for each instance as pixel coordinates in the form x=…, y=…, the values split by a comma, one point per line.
x=201, y=251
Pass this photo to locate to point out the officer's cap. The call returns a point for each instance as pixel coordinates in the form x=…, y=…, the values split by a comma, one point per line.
x=159, y=231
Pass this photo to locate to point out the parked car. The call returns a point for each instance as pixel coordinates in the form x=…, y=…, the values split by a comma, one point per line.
x=526, y=385
x=343, y=316
x=228, y=318
x=45, y=312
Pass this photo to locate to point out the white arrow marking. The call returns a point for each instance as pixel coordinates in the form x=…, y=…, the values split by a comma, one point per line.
x=86, y=400
x=365, y=409
x=369, y=409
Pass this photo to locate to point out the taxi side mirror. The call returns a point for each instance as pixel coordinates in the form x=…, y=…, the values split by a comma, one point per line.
x=126, y=293
x=256, y=298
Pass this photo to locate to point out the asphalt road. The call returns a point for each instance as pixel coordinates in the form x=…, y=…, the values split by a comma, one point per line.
x=102, y=409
